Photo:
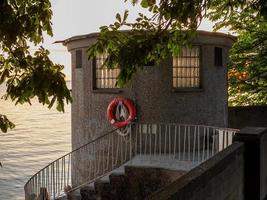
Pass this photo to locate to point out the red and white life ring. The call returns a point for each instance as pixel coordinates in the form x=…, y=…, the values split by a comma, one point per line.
x=112, y=109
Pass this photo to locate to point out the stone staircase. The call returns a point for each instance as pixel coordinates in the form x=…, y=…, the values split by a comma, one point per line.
x=132, y=183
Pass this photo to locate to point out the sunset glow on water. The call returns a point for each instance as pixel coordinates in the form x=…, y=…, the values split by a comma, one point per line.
x=41, y=136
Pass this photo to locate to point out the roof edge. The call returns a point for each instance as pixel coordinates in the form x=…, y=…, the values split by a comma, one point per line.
x=96, y=34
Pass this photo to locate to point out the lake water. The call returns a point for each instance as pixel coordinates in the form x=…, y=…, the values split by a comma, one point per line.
x=41, y=135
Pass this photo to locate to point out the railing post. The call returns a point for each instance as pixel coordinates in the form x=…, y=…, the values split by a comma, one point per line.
x=255, y=155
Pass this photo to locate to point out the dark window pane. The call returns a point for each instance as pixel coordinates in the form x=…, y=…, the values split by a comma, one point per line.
x=79, y=60
x=218, y=56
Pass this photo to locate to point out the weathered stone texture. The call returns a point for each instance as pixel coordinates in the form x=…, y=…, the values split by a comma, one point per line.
x=219, y=178
x=151, y=89
x=242, y=116
x=135, y=184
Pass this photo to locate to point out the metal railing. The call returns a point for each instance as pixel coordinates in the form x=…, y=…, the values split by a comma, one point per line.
x=181, y=142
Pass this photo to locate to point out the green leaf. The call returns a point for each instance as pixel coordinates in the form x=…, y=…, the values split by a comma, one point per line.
x=125, y=16
x=5, y=124
x=144, y=3
x=4, y=75
x=118, y=17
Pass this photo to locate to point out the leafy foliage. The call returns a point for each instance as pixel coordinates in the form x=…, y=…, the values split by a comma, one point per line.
x=5, y=123
x=150, y=39
x=173, y=24
x=248, y=57
x=28, y=75
x=248, y=66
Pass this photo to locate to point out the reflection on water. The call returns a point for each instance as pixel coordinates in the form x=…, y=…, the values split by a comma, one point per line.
x=41, y=135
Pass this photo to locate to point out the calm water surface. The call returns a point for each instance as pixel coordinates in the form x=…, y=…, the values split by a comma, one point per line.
x=41, y=135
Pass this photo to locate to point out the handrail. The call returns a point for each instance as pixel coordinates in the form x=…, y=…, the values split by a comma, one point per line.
x=182, y=142
x=109, y=132
x=31, y=194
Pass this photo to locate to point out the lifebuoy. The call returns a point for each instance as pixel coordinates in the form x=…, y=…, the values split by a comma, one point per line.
x=111, y=112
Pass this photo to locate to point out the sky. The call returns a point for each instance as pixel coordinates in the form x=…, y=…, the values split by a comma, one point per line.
x=76, y=17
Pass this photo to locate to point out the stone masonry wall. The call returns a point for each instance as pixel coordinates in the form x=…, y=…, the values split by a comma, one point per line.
x=219, y=178
x=242, y=116
x=151, y=90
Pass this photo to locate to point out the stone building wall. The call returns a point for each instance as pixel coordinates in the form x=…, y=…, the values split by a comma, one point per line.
x=151, y=90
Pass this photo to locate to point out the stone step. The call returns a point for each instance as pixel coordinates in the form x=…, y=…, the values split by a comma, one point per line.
x=103, y=189
x=131, y=183
x=88, y=193
x=119, y=185
x=143, y=181
x=75, y=195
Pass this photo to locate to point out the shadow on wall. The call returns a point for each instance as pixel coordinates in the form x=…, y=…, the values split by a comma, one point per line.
x=240, y=117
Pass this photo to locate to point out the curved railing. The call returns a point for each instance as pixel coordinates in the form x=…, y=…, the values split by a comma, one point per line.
x=55, y=178
x=181, y=142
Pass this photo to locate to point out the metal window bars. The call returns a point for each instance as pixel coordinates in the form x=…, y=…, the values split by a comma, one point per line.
x=186, y=68
x=180, y=142
x=104, y=77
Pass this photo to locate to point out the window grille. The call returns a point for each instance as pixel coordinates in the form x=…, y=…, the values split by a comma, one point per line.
x=104, y=77
x=186, y=68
